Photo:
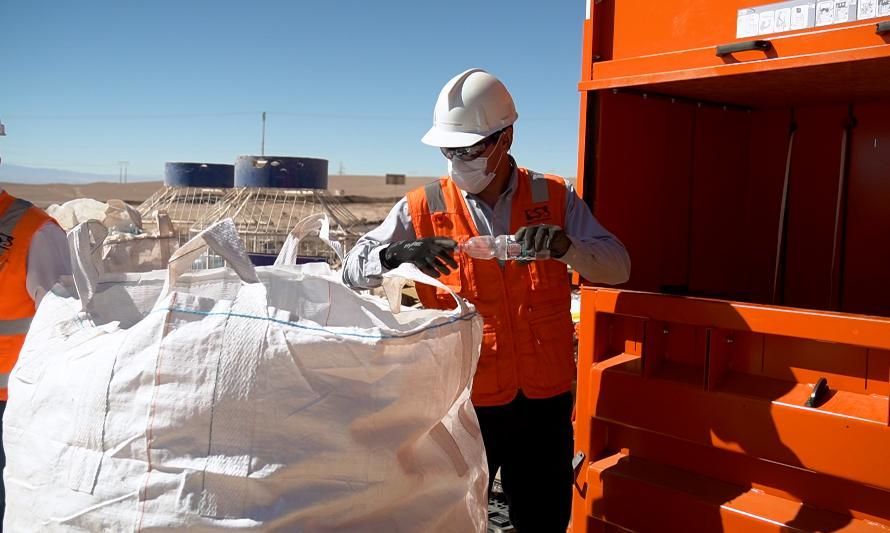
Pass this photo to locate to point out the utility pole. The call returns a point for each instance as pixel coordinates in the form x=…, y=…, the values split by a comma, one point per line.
x=122, y=173
x=263, y=142
x=341, y=168
x=3, y=131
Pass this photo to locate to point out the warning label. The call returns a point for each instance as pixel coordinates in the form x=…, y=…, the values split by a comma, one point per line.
x=868, y=9
x=825, y=13
x=776, y=18
x=795, y=15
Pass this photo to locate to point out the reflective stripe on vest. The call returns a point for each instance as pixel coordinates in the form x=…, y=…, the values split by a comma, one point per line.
x=15, y=327
x=435, y=199
x=10, y=219
x=540, y=189
x=4, y=381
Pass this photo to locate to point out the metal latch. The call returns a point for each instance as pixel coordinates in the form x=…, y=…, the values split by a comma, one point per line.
x=577, y=462
x=817, y=397
x=747, y=46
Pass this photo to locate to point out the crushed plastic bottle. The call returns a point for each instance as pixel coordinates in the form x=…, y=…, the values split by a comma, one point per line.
x=503, y=247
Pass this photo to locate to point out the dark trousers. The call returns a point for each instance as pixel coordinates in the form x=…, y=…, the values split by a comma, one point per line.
x=531, y=442
x=2, y=467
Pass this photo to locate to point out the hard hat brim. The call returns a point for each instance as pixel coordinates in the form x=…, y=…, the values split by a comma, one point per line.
x=450, y=139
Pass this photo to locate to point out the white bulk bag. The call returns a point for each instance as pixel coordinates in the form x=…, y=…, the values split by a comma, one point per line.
x=271, y=399
x=116, y=252
x=143, y=252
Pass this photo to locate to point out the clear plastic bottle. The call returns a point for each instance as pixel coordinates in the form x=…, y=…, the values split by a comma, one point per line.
x=503, y=247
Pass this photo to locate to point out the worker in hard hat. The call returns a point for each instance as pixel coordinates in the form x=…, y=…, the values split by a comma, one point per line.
x=33, y=256
x=522, y=387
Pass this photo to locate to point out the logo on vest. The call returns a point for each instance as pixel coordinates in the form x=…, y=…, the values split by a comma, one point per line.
x=5, y=242
x=537, y=213
x=5, y=246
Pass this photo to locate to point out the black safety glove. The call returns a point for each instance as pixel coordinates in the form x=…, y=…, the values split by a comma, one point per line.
x=432, y=255
x=544, y=237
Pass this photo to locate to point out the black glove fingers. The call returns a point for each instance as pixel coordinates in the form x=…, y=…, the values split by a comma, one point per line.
x=444, y=242
x=542, y=238
x=432, y=255
x=447, y=256
x=437, y=264
x=528, y=240
x=427, y=267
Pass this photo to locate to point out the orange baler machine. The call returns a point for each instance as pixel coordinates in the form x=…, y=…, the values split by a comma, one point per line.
x=749, y=178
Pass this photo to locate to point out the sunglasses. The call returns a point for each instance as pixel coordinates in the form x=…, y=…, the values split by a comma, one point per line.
x=469, y=153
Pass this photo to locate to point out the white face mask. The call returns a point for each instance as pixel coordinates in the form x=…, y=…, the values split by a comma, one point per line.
x=470, y=176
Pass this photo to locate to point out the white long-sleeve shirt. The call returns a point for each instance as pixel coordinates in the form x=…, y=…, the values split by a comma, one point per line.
x=48, y=260
x=597, y=255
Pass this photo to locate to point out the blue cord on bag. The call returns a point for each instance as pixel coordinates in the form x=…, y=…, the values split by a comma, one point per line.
x=461, y=318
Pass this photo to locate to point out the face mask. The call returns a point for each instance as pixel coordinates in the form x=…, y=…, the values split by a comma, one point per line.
x=471, y=176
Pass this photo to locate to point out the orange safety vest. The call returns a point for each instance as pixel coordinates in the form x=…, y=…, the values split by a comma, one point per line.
x=19, y=221
x=527, y=332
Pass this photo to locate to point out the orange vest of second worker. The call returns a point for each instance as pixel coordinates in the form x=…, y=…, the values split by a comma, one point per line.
x=527, y=335
x=19, y=221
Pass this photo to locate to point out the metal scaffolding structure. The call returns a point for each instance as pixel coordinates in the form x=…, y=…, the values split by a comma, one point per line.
x=184, y=205
x=265, y=216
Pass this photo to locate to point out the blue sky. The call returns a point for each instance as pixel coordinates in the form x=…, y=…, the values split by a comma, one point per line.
x=86, y=84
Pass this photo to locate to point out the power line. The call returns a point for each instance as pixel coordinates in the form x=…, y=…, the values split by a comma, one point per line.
x=166, y=116
x=172, y=116
x=127, y=116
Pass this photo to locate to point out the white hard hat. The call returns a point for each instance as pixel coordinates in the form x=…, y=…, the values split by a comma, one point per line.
x=472, y=106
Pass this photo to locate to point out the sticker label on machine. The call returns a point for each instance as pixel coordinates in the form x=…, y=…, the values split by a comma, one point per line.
x=802, y=14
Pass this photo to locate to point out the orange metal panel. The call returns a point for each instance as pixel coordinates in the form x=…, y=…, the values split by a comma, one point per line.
x=641, y=28
x=878, y=372
x=719, y=173
x=769, y=140
x=587, y=52
x=692, y=54
x=645, y=496
x=805, y=361
x=677, y=352
x=744, y=351
x=644, y=28
x=857, y=81
x=743, y=471
x=868, y=407
x=706, y=197
x=825, y=326
x=642, y=183
x=812, y=203
x=581, y=175
x=713, y=389
x=733, y=420
x=587, y=341
x=866, y=269
x=773, y=427
x=602, y=36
